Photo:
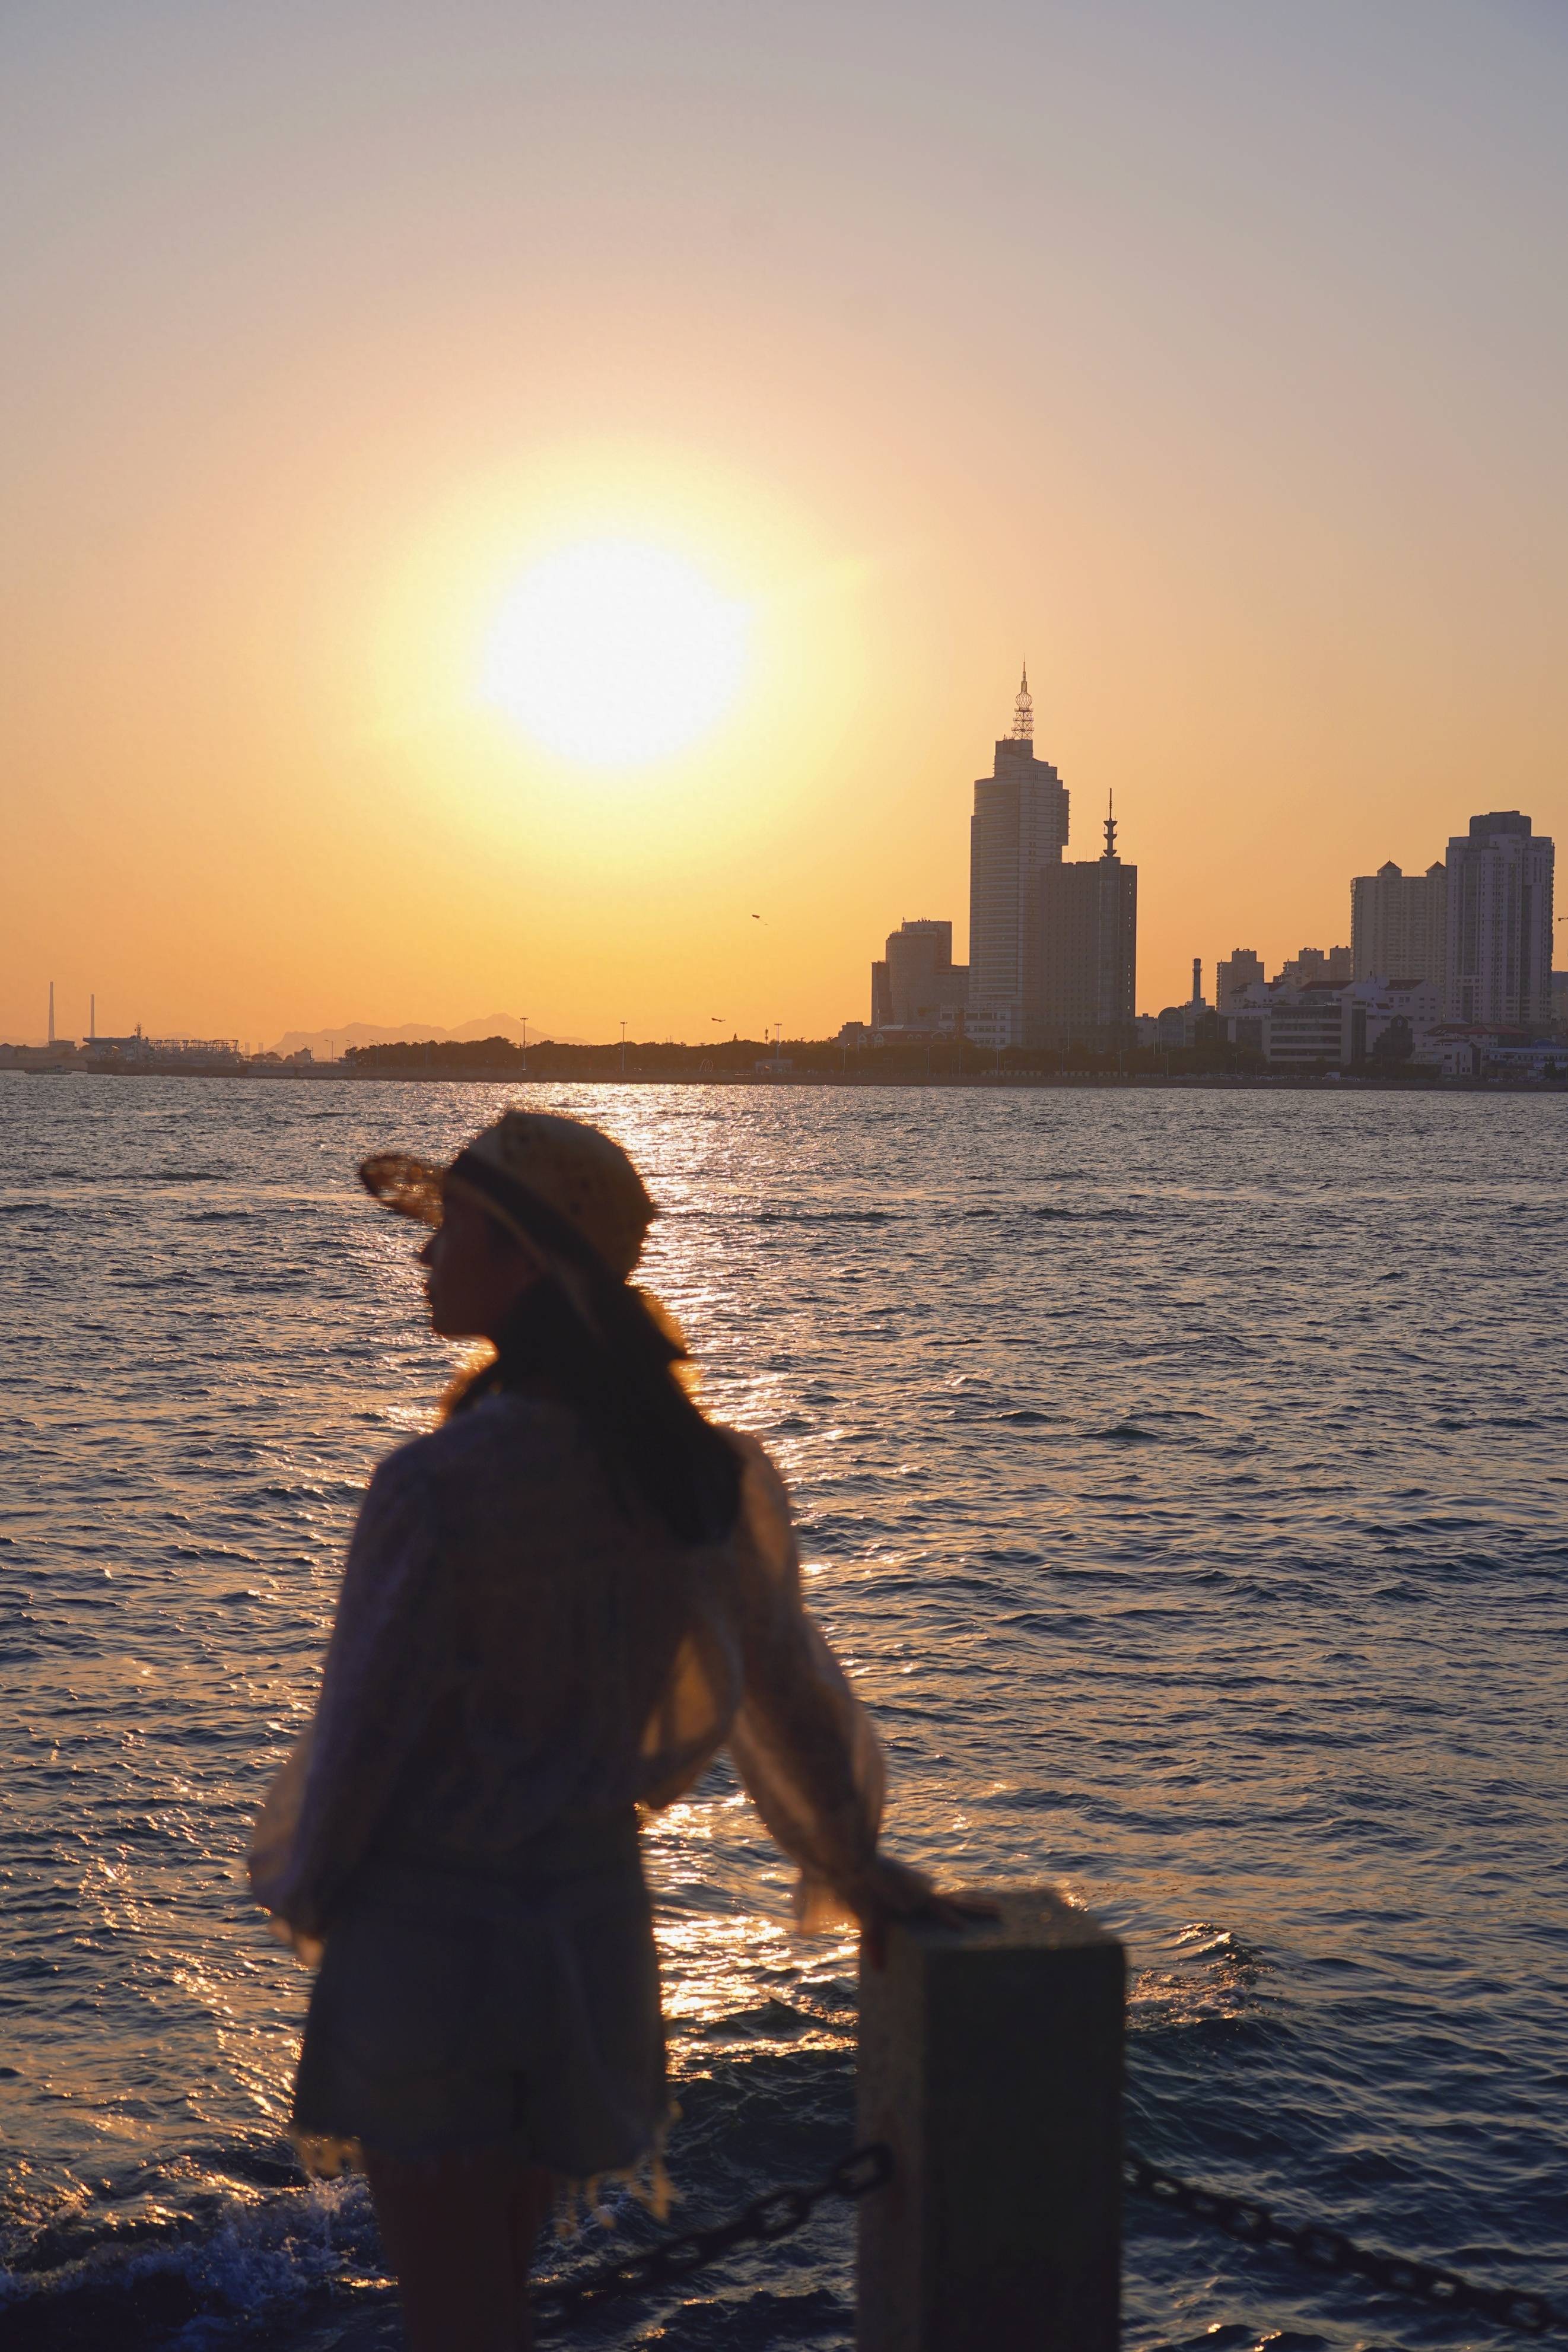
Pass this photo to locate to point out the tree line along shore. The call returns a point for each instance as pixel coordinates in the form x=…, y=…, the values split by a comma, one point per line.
x=759, y=1061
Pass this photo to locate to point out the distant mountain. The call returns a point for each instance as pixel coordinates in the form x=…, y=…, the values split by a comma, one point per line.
x=326, y=1042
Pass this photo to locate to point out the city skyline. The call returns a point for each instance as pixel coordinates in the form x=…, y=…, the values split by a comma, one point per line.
x=1440, y=965
x=1073, y=928
x=1021, y=826
x=1469, y=944
x=1050, y=938
x=1264, y=475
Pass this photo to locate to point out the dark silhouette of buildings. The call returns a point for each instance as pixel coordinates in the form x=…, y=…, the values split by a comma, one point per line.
x=1052, y=945
x=1018, y=829
x=1399, y=924
x=1319, y=967
x=917, y=985
x=1081, y=964
x=1499, y=933
x=1233, y=975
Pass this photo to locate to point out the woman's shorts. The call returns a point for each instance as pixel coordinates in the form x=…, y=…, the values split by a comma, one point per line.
x=454, y=2013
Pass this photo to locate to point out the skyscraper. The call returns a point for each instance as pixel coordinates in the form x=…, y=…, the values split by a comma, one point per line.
x=1499, y=923
x=1081, y=947
x=1399, y=924
x=1017, y=830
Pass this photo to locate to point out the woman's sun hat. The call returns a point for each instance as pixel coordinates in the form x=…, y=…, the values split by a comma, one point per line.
x=563, y=1188
x=571, y=1196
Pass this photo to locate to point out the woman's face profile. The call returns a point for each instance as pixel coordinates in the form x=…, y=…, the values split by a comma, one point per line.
x=474, y=1273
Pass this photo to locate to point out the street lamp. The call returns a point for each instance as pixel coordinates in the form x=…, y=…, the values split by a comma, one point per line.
x=623, y=1049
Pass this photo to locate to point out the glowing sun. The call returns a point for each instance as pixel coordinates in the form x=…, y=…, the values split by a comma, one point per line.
x=612, y=651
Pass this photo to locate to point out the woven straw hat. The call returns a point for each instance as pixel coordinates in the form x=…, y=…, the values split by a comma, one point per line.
x=562, y=1188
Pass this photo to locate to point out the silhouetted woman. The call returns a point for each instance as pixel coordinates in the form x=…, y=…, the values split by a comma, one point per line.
x=556, y=1608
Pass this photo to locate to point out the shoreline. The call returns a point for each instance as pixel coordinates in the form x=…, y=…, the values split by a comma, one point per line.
x=1032, y=1081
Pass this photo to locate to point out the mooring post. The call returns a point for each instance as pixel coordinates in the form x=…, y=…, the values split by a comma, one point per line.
x=990, y=2062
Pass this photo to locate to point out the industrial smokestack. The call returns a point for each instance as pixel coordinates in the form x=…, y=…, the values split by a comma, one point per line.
x=1197, y=980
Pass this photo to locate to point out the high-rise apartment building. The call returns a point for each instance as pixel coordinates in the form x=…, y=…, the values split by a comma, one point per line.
x=1018, y=828
x=917, y=985
x=1399, y=924
x=1500, y=933
x=1234, y=974
x=1082, y=950
x=1315, y=967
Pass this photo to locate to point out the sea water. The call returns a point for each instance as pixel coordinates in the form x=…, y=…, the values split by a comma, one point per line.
x=1181, y=1476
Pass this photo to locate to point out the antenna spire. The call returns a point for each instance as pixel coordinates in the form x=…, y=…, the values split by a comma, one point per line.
x=1023, y=711
x=1111, y=825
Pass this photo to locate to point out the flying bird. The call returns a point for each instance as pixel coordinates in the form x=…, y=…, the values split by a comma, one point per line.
x=757, y=918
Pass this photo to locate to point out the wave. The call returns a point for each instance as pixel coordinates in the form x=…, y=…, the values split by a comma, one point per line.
x=225, y=2238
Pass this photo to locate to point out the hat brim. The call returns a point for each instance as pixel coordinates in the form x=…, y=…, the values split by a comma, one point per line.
x=603, y=1299
x=408, y=1187
x=419, y=1190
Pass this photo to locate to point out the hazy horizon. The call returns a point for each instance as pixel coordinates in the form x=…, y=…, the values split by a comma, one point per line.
x=1211, y=358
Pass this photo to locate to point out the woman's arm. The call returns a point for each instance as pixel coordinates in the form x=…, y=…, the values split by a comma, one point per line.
x=802, y=1742
x=384, y=1666
x=805, y=1746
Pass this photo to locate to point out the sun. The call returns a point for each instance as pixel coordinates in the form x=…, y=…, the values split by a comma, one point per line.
x=615, y=653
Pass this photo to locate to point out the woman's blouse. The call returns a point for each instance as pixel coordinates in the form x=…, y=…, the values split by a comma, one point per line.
x=516, y=1646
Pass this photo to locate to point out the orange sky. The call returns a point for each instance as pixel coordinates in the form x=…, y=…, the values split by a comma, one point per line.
x=1211, y=356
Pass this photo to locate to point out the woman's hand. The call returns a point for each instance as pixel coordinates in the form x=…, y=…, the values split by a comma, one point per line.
x=891, y=1890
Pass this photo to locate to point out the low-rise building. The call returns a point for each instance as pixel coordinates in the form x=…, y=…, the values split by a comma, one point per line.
x=208, y=1051
x=1340, y=1027
x=137, y=1048
x=1539, y=1060
x=1303, y=1028
x=1454, y=1049
x=1384, y=1022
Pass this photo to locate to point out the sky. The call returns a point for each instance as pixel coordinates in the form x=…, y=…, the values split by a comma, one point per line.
x=1209, y=353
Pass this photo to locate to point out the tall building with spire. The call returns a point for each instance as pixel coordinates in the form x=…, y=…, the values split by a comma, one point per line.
x=1081, y=963
x=1018, y=830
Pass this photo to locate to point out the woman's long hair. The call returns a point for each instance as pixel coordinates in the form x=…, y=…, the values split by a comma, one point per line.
x=652, y=1441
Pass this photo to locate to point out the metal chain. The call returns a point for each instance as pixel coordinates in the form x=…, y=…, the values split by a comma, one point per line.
x=1322, y=2249
x=782, y=2211
x=776, y=2215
